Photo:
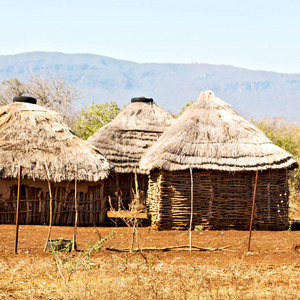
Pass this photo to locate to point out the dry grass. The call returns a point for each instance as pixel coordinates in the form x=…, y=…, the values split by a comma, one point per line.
x=116, y=277
x=271, y=271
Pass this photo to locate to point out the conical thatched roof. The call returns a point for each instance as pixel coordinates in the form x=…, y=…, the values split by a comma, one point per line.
x=124, y=140
x=211, y=135
x=34, y=137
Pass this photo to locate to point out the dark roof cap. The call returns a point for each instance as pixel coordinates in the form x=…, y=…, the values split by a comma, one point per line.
x=142, y=99
x=25, y=99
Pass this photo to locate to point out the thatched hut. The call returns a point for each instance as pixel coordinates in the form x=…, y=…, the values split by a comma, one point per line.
x=124, y=140
x=211, y=145
x=35, y=138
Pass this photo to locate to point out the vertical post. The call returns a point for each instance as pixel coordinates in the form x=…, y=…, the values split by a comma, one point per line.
x=252, y=214
x=119, y=192
x=50, y=196
x=137, y=193
x=18, y=209
x=76, y=211
x=289, y=217
x=192, y=206
x=102, y=206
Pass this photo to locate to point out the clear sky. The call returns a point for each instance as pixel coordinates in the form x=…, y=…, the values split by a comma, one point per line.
x=255, y=34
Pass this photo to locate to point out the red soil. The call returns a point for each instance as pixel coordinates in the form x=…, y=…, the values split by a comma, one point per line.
x=267, y=247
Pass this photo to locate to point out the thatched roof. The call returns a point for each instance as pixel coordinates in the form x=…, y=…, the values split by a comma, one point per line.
x=33, y=136
x=124, y=140
x=211, y=135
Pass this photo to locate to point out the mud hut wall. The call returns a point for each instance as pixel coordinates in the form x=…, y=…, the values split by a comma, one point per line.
x=35, y=202
x=222, y=200
x=122, y=186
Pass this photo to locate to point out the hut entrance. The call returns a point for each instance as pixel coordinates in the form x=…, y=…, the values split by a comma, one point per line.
x=123, y=194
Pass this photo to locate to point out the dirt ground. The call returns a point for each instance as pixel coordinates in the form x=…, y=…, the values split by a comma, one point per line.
x=226, y=270
x=267, y=247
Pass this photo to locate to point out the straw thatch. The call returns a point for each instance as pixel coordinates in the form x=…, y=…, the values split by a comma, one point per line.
x=124, y=140
x=219, y=151
x=211, y=135
x=34, y=137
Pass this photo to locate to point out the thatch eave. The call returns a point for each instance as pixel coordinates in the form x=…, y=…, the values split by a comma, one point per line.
x=36, y=138
x=210, y=135
x=124, y=140
x=169, y=166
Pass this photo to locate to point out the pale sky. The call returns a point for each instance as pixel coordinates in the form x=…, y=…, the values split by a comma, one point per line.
x=253, y=34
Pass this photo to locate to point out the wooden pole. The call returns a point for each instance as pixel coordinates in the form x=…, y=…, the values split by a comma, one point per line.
x=137, y=194
x=18, y=209
x=76, y=211
x=50, y=196
x=102, y=206
x=252, y=214
x=119, y=193
x=192, y=206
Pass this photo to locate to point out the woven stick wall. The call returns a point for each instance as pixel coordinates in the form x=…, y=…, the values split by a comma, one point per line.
x=121, y=186
x=34, y=206
x=222, y=200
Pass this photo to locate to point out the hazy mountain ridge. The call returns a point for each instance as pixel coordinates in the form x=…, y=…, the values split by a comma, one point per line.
x=252, y=93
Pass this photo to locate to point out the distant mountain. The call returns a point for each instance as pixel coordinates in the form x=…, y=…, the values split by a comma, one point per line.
x=252, y=93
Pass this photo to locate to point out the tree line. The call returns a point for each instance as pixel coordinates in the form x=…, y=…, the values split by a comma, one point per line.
x=59, y=95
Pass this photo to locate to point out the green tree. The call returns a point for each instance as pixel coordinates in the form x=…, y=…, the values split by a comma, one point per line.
x=282, y=133
x=182, y=110
x=286, y=135
x=185, y=106
x=94, y=117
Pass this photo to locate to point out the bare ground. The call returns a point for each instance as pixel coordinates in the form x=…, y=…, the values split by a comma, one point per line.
x=268, y=247
x=271, y=270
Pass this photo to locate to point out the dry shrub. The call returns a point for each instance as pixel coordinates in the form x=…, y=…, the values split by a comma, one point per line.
x=118, y=278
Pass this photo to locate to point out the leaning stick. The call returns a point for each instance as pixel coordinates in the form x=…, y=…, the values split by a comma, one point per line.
x=183, y=247
x=192, y=207
x=18, y=209
x=50, y=195
x=76, y=212
x=252, y=214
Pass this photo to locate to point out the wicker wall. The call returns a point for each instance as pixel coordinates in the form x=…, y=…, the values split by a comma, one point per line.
x=221, y=200
x=35, y=204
